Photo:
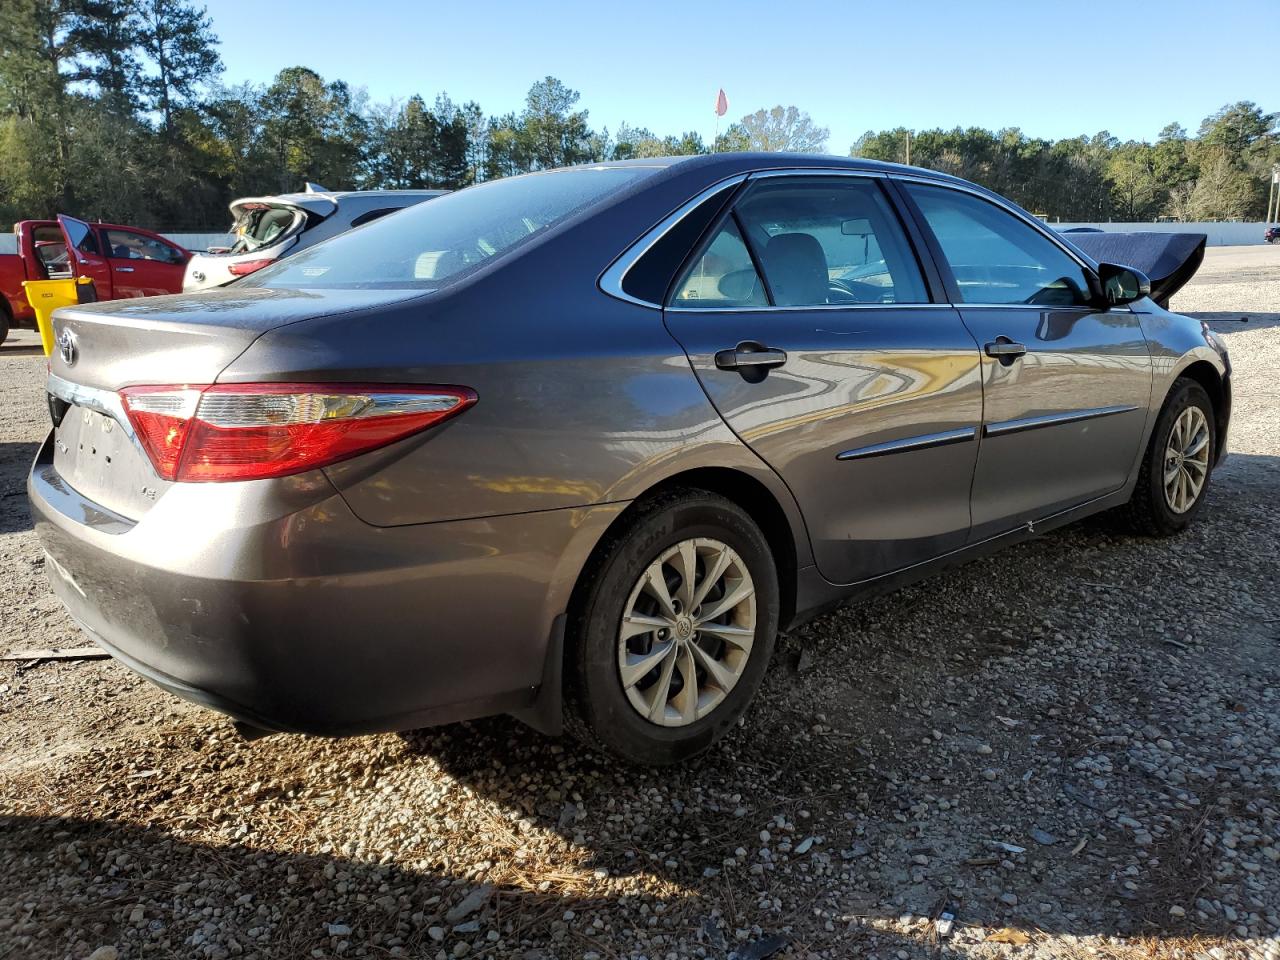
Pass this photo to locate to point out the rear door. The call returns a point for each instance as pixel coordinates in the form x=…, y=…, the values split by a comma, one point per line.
x=142, y=265
x=1067, y=384
x=810, y=324
x=86, y=255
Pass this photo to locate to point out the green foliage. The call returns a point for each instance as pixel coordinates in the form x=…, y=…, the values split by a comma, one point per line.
x=115, y=109
x=1220, y=175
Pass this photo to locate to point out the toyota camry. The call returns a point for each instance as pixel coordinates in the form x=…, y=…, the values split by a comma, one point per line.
x=576, y=445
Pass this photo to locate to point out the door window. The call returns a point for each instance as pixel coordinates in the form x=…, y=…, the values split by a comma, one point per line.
x=723, y=276
x=830, y=241
x=127, y=245
x=995, y=257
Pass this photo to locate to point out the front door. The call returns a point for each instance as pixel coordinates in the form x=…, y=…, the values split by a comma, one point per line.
x=83, y=252
x=142, y=266
x=1066, y=385
x=810, y=326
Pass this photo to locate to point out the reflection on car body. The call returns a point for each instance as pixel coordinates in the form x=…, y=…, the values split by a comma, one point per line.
x=576, y=445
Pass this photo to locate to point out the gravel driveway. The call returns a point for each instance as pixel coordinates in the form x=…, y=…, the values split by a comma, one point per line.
x=1073, y=746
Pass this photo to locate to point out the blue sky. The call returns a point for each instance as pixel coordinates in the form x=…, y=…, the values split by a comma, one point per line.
x=1052, y=68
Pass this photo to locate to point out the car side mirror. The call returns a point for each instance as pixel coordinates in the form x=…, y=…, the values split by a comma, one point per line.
x=1121, y=285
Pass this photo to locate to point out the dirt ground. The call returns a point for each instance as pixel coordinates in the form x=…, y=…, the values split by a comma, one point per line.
x=1073, y=746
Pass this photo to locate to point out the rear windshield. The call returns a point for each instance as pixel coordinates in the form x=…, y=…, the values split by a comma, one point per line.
x=260, y=225
x=432, y=244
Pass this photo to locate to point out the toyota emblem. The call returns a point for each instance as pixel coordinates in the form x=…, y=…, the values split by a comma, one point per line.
x=67, y=348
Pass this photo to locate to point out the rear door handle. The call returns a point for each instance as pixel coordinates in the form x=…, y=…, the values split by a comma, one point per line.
x=750, y=356
x=124, y=269
x=1005, y=350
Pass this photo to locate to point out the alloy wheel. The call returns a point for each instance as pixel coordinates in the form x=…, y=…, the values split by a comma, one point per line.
x=1186, y=460
x=686, y=632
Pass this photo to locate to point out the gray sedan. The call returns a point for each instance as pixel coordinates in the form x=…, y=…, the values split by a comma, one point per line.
x=576, y=445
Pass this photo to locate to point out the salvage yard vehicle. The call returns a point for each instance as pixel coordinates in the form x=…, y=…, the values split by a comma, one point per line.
x=121, y=261
x=268, y=228
x=575, y=445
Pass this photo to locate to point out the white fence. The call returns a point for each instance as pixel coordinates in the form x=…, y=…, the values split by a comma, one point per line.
x=1220, y=234
x=192, y=241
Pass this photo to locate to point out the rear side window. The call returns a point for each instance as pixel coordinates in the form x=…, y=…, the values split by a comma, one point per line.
x=723, y=276
x=994, y=256
x=829, y=242
x=431, y=244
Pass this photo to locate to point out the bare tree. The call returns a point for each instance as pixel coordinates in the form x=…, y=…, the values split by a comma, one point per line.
x=779, y=130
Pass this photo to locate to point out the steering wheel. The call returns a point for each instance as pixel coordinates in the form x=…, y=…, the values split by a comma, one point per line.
x=854, y=291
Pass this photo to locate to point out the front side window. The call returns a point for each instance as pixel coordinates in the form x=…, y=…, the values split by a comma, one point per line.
x=431, y=244
x=127, y=245
x=829, y=241
x=723, y=276
x=994, y=256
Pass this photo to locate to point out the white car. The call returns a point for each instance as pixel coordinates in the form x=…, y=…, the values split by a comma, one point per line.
x=268, y=228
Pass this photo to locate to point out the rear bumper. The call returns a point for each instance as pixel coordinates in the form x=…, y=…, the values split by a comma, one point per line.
x=270, y=601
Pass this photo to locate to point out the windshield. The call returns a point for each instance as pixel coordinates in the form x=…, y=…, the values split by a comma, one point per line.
x=260, y=225
x=431, y=244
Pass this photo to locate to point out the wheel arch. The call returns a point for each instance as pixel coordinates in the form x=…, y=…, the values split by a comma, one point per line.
x=740, y=488
x=1216, y=386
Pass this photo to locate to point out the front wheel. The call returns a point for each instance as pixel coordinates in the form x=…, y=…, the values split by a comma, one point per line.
x=1175, y=473
x=674, y=632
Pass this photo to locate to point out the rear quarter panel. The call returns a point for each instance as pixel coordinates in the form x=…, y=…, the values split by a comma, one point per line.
x=583, y=399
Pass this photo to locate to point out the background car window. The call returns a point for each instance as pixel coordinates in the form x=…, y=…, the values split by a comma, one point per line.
x=994, y=256
x=127, y=245
x=830, y=241
x=723, y=276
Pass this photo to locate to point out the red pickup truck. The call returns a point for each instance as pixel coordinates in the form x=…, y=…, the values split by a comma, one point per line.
x=122, y=262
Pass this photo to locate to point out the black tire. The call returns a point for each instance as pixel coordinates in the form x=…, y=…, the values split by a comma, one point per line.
x=4, y=323
x=597, y=709
x=1148, y=510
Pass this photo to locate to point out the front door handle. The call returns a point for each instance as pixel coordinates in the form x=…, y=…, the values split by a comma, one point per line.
x=1005, y=350
x=750, y=357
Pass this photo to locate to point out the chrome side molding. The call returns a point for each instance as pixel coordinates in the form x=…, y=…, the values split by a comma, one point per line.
x=922, y=442
x=1004, y=427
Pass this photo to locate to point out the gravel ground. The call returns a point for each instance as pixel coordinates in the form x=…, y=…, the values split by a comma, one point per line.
x=1074, y=746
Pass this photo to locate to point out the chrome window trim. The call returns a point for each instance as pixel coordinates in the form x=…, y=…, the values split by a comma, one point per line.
x=1006, y=427
x=922, y=442
x=610, y=281
x=816, y=306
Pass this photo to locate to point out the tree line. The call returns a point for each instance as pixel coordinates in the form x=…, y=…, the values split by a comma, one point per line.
x=118, y=110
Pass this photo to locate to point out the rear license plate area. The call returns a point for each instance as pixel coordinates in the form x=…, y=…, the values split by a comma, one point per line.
x=96, y=456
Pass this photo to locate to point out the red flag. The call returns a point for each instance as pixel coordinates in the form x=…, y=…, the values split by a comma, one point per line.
x=722, y=104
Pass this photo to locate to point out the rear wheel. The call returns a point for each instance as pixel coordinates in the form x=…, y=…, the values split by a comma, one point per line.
x=674, y=632
x=4, y=322
x=1175, y=472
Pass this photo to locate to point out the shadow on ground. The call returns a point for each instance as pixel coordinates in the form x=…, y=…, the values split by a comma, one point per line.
x=15, y=462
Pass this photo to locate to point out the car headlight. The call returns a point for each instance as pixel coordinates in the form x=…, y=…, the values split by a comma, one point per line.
x=1212, y=339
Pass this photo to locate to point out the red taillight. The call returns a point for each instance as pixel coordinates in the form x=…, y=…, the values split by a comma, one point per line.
x=243, y=268
x=250, y=431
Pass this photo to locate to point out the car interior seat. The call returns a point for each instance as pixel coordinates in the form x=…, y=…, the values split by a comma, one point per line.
x=796, y=267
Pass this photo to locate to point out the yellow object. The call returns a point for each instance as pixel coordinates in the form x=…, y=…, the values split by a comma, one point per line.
x=46, y=296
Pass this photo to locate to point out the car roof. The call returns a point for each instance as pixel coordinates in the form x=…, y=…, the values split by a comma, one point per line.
x=746, y=162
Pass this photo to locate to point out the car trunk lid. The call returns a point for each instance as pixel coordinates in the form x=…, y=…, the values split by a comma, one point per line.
x=101, y=348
